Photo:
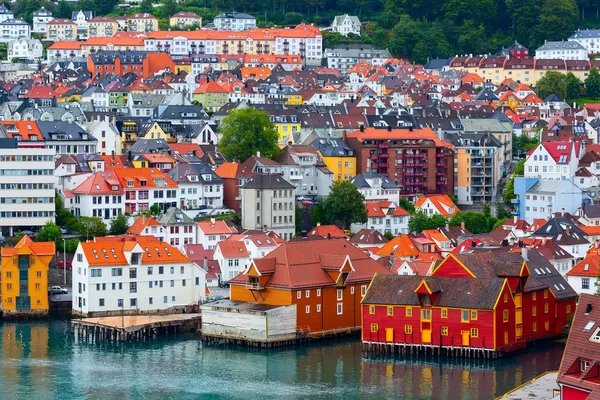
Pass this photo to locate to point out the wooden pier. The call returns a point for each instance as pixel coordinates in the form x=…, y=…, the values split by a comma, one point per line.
x=134, y=327
x=409, y=349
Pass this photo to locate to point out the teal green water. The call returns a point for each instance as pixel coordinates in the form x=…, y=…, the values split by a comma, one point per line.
x=42, y=360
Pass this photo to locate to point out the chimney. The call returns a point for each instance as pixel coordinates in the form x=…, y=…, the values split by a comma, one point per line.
x=143, y=218
x=212, y=220
x=524, y=254
x=568, y=229
x=328, y=235
x=447, y=226
x=205, y=263
x=129, y=156
x=515, y=219
x=318, y=224
x=543, y=241
x=258, y=154
x=362, y=128
x=596, y=244
x=264, y=228
x=345, y=136
x=588, y=309
x=462, y=225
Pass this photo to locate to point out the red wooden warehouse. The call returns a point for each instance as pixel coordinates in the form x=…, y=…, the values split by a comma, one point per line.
x=483, y=303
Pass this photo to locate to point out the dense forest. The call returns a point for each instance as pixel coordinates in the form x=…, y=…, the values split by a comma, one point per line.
x=416, y=29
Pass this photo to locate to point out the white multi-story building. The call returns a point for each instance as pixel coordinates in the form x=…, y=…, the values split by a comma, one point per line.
x=26, y=186
x=29, y=49
x=133, y=274
x=173, y=227
x=268, y=202
x=345, y=24
x=547, y=197
x=5, y=13
x=564, y=50
x=198, y=185
x=384, y=216
x=375, y=187
x=302, y=166
x=233, y=258
x=100, y=195
x=588, y=38
x=40, y=18
x=553, y=160
x=234, y=21
x=81, y=18
x=212, y=232
x=14, y=28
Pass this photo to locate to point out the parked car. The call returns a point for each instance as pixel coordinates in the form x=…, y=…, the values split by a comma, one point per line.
x=224, y=285
x=57, y=290
x=347, y=232
x=61, y=264
x=63, y=230
x=307, y=203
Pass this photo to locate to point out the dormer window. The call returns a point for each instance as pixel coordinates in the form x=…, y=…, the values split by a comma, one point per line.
x=135, y=258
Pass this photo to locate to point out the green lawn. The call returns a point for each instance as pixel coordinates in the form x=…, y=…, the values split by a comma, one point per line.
x=582, y=101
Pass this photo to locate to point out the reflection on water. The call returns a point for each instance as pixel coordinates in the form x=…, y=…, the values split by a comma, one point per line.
x=41, y=360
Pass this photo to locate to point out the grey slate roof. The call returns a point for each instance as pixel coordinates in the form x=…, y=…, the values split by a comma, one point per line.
x=175, y=217
x=236, y=15
x=562, y=45
x=142, y=146
x=360, y=180
x=437, y=63
x=332, y=147
x=267, y=181
x=586, y=34
x=71, y=131
x=556, y=225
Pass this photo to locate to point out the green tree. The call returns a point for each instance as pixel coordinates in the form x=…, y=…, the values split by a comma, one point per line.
x=419, y=221
x=499, y=223
x=487, y=211
x=319, y=214
x=63, y=10
x=474, y=222
x=553, y=82
x=155, y=210
x=407, y=205
x=345, y=205
x=50, y=232
x=90, y=227
x=119, y=225
x=592, y=84
x=572, y=87
x=388, y=235
x=247, y=131
x=146, y=6
x=509, y=191
x=556, y=17
x=520, y=168
x=168, y=9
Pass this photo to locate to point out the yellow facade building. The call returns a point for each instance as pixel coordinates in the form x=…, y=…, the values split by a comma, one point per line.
x=338, y=156
x=142, y=22
x=24, y=273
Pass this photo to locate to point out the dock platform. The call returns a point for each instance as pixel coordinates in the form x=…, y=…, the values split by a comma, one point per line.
x=134, y=327
x=541, y=387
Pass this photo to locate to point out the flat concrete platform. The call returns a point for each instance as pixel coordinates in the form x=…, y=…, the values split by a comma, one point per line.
x=541, y=388
x=136, y=321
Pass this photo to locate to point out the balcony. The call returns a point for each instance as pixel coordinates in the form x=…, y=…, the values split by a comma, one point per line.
x=296, y=177
x=383, y=164
x=441, y=165
x=440, y=174
x=254, y=286
x=409, y=155
x=383, y=155
x=383, y=146
x=409, y=174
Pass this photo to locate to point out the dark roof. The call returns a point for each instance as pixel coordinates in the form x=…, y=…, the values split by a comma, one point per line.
x=368, y=236
x=580, y=346
x=452, y=292
x=267, y=181
x=544, y=275
x=591, y=210
x=556, y=225
x=360, y=180
x=332, y=147
x=488, y=264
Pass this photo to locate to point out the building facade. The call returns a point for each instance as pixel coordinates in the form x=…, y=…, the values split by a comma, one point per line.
x=234, y=21
x=24, y=274
x=133, y=274
x=268, y=201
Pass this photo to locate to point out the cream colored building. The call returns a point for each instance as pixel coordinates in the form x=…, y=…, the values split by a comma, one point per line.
x=61, y=29
x=185, y=18
x=142, y=22
x=102, y=27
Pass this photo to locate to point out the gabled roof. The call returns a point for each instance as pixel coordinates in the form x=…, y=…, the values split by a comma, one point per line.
x=368, y=236
x=305, y=264
x=588, y=267
x=110, y=250
x=233, y=249
x=103, y=182
x=399, y=246
x=37, y=248
x=582, y=345
x=142, y=223
x=441, y=202
x=218, y=227
x=327, y=231
x=452, y=292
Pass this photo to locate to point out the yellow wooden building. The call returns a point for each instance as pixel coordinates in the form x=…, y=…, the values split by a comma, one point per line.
x=24, y=273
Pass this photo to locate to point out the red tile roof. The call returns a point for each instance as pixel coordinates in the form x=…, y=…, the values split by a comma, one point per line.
x=140, y=224
x=219, y=227
x=327, y=231
x=100, y=183
x=304, y=264
x=100, y=251
x=233, y=249
x=589, y=266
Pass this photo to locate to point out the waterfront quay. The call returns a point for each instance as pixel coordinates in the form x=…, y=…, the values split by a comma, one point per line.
x=134, y=327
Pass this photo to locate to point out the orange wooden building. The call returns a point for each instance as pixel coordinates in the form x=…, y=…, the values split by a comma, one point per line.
x=325, y=279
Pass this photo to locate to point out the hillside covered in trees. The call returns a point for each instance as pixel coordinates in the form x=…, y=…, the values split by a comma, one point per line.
x=417, y=29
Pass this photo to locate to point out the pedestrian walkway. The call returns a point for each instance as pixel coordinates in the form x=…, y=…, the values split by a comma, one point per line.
x=543, y=387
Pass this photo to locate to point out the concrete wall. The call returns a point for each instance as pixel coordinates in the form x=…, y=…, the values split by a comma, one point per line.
x=276, y=324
